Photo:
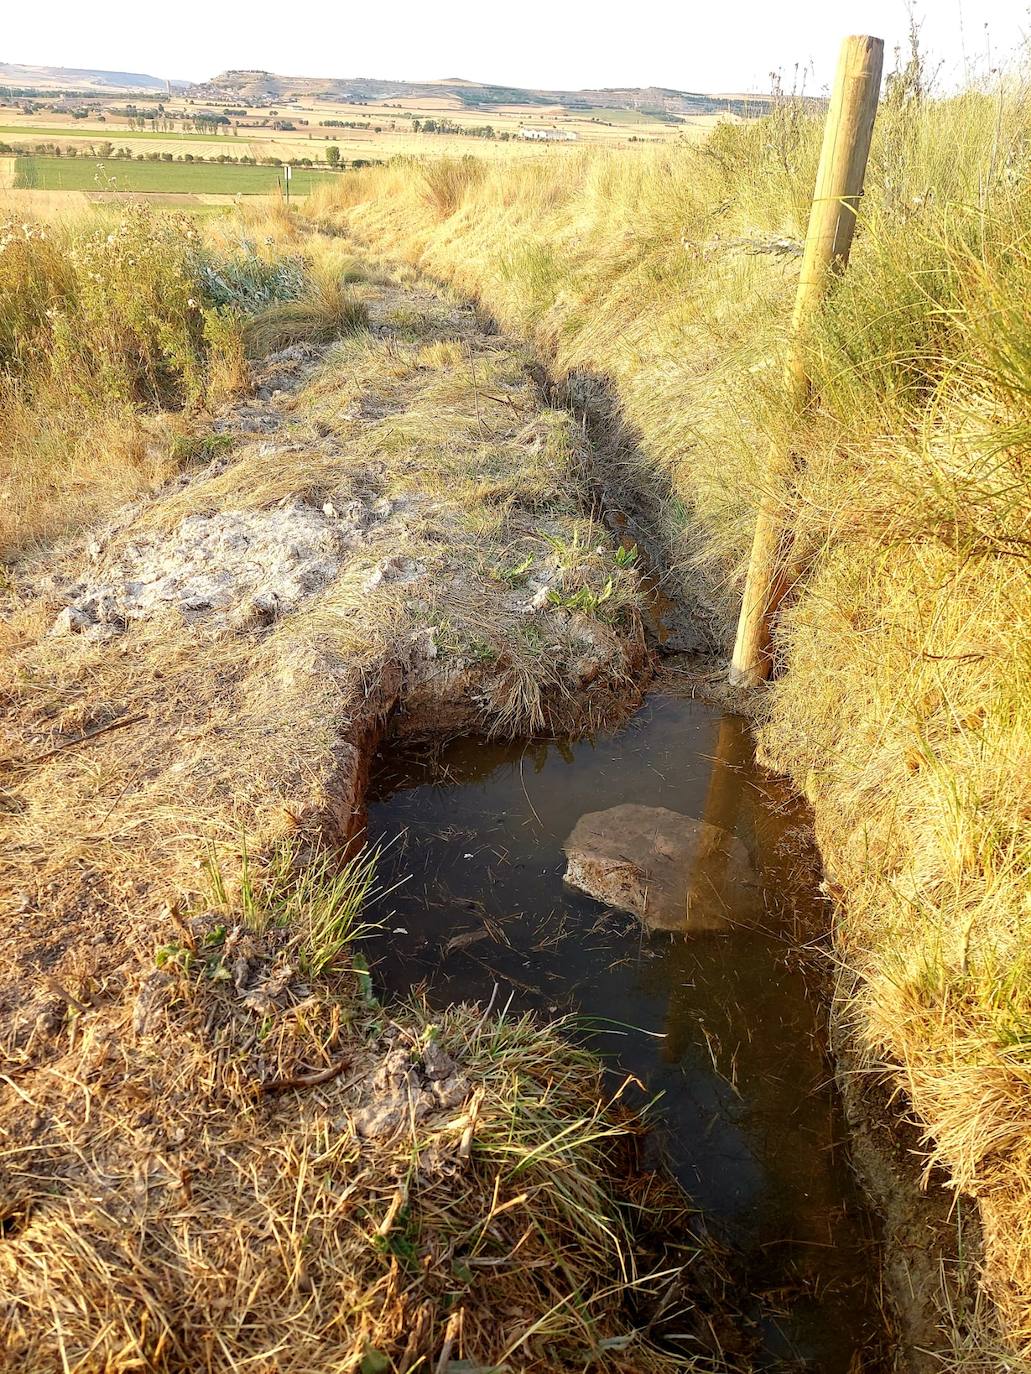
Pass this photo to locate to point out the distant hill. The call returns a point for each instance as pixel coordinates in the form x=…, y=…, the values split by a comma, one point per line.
x=255, y=88
x=258, y=88
x=24, y=77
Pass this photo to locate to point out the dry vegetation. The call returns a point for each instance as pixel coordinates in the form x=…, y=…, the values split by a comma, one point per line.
x=100, y=321
x=216, y=1150
x=169, y=1195
x=902, y=708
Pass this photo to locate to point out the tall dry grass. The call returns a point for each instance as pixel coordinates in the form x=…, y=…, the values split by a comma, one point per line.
x=119, y=328
x=103, y=321
x=902, y=707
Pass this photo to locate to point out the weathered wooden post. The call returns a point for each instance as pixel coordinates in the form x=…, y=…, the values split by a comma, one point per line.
x=832, y=221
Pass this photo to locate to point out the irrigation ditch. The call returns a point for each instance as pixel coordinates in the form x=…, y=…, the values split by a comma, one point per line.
x=918, y=1241
x=296, y=632
x=733, y=1030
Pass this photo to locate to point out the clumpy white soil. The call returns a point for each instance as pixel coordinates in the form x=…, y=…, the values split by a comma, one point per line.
x=223, y=568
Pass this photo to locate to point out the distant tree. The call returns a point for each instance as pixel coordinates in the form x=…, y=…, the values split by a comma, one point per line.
x=333, y=155
x=105, y=149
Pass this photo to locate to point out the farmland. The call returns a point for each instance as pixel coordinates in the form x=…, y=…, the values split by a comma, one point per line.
x=168, y=145
x=190, y=178
x=49, y=132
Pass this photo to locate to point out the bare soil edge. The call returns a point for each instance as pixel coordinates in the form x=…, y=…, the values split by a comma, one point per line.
x=932, y=1237
x=410, y=707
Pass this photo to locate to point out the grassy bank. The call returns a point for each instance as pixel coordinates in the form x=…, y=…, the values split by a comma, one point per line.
x=902, y=709
x=319, y=1183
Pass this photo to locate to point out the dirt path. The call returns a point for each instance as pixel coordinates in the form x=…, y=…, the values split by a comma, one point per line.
x=207, y=1130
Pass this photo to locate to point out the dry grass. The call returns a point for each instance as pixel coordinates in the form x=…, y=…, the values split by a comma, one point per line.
x=119, y=329
x=195, y=1182
x=327, y=311
x=103, y=322
x=188, y=1175
x=902, y=708
x=446, y=181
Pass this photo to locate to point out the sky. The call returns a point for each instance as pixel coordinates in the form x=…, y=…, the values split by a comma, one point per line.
x=700, y=45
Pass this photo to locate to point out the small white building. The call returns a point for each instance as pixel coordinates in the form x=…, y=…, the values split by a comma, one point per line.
x=549, y=135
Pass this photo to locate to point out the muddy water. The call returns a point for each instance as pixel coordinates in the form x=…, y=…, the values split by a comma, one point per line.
x=722, y=1023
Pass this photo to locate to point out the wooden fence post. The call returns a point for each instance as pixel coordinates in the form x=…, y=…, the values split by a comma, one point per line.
x=832, y=220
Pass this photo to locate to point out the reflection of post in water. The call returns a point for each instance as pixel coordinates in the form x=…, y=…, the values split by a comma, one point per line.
x=731, y=761
x=707, y=885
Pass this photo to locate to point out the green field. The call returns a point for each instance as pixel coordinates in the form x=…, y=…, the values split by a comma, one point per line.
x=608, y=116
x=189, y=178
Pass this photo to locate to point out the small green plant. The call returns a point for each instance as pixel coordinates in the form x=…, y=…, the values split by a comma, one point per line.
x=626, y=556
x=175, y=954
x=583, y=599
x=479, y=651
x=193, y=448
x=570, y=553
x=320, y=902
x=332, y=900
x=514, y=577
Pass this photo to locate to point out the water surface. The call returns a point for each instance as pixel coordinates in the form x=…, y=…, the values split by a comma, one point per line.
x=724, y=1025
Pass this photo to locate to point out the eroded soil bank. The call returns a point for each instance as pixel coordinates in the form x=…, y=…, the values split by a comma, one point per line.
x=216, y=1148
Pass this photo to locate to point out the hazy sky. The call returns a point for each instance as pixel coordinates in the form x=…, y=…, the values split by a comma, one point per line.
x=704, y=45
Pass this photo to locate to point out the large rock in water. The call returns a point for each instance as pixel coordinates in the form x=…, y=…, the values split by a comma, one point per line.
x=673, y=872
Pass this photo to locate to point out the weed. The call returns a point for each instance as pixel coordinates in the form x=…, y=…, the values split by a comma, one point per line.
x=328, y=310
x=320, y=901
x=513, y=577
x=583, y=599
x=447, y=180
